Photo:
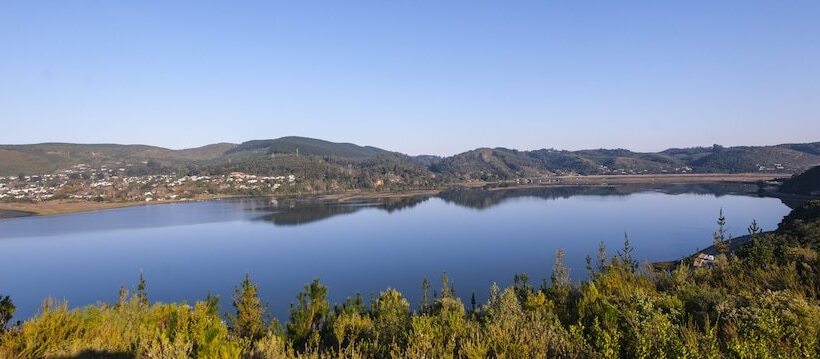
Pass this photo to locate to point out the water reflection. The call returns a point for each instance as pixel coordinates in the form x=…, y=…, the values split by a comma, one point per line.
x=293, y=212
x=482, y=198
x=478, y=236
x=300, y=211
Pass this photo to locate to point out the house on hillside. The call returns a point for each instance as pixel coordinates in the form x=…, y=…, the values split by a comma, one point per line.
x=704, y=260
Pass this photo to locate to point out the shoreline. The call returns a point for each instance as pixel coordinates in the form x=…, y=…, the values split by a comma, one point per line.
x=27, y=209
x=57, y=207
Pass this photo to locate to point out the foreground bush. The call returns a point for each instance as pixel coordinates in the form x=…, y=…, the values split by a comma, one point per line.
x=761, y=302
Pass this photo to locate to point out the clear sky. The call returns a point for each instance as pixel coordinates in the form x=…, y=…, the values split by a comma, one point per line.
x=437, y=77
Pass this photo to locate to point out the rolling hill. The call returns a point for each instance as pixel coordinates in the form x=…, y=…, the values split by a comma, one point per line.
x=307, y=146
x=319, y=159
x=503, y=164
x=806, y=183
x=49, y=157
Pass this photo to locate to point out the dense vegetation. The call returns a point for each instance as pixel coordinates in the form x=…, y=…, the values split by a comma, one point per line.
x=761, y=302
x=49, y=157
x=504, y=164
x=332, y=173
x=359, y=166
x=309, y=147
x=806, y=183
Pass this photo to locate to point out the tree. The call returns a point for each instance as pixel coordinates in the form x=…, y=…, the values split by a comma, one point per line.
x=720, y=238
x=308, y=317
x=521, y=286
x=472, y=303
x=212, y=303
x=7, y=309
x=424, y=306
x=142, y=295
x=560, y=272
x=602, y=257
x=122, y=295
x=625, y=255
x=754, y=228
x=249, y=321
x=561, y=286
x=447, y=290
x=391, y=315
x=589, y=268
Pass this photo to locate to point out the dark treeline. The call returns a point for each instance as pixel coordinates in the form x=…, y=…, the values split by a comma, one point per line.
x=332, y=173
x=806, y=183
x=760, y=301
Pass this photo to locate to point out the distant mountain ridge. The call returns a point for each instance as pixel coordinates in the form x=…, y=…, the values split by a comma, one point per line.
x=325, y=159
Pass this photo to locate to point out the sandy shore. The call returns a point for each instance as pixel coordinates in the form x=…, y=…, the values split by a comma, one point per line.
x=62, y=206
x=74, y=206
x=15, y=209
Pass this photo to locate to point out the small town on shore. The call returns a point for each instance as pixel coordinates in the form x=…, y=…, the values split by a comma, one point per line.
x=113, y=184
x=82, y=182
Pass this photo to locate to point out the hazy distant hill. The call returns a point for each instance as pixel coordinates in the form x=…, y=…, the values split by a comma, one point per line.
x=351, y=163
x=806, y=183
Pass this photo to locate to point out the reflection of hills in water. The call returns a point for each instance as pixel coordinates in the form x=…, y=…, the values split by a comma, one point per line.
x=292, y=212
x=296, y=212
x=481, y=198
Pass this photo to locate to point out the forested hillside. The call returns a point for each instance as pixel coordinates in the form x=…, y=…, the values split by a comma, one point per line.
x=806, y=183
x=504, y=164
x=330, y=173
x=761, y=302
x=49, y=157
x=307, y=146
x=360, y=165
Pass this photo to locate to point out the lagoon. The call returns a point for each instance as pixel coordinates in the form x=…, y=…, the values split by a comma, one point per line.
x=476, y=236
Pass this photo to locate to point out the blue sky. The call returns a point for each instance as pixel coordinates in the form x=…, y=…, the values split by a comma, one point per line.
x=437, y=77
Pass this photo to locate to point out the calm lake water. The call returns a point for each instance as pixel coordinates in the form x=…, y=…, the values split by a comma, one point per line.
x=476, y=236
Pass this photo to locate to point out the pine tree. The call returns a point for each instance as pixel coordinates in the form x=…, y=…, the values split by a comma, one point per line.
x=754, y=229
x=602, y=257
x=522, y=287
x=560, y=273
x=720, y=239
x=625, y=255
x=472, y=303
x=561, y=286
x=249, y=321
x=424, y=307
x=447, y=290
x=7, y=309
x=142, y=295
x=308, y=317
x=212, y=302
x=122, y=295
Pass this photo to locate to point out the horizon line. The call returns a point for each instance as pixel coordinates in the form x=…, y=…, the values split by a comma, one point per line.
x=174, y=148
